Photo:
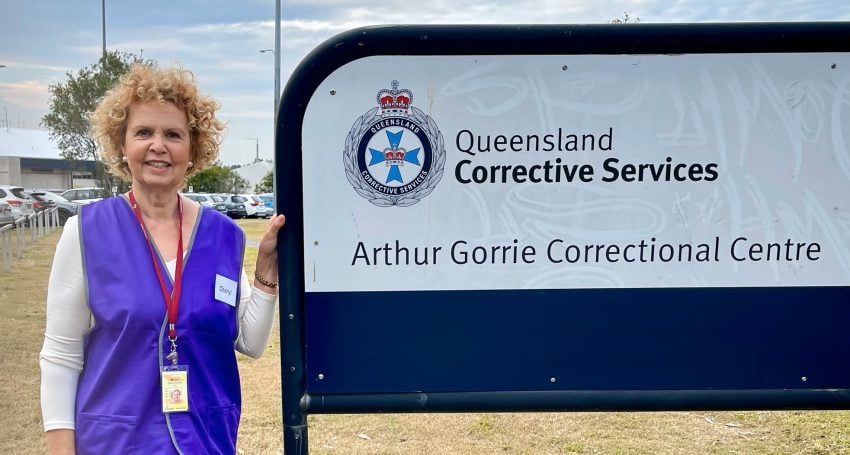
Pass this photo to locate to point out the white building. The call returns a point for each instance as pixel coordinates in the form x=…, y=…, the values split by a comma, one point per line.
x=254, y=173
x=29, y=158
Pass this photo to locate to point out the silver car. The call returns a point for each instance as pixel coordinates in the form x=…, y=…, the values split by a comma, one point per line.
x=202, y=198
x=84, y=195
x=6, y=216
x=49, y=199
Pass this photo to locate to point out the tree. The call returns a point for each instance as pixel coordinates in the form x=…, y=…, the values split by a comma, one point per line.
x=217, y=179
x=626, y=19
x=266, y=185
x=71, y=103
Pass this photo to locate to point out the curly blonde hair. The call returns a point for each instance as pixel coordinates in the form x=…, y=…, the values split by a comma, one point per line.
x=143, y=84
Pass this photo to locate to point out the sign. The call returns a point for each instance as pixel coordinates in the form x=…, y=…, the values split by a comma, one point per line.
x=579, y=172
x=557, y=218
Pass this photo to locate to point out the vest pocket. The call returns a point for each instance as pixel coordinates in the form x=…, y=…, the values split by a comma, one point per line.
x=223, y=424
x=100, y=433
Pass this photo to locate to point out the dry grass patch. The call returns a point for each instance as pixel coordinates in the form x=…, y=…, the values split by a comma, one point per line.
x=253, y=228
x=684, y=433
x=22, y=295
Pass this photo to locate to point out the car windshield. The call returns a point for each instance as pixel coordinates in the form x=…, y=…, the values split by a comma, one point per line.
x=217, y=198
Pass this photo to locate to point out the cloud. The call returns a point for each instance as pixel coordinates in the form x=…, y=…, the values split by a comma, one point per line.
x=267, y=114
x=11, y=65
x=353, y=13
x=27, y=94
x=251, y=28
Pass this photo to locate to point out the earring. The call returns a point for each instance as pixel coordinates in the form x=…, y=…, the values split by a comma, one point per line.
x=191, y=164
x=124, y=159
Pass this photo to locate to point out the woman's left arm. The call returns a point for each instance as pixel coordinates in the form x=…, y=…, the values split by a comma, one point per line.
x=256, y=310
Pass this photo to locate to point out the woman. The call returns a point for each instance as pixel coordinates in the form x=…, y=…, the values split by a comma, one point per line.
x=147, y=298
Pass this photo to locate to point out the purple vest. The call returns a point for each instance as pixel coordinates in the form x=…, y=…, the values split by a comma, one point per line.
x=118, y=407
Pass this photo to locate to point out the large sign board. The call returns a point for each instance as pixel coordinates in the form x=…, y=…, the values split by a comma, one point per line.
x=562, y=217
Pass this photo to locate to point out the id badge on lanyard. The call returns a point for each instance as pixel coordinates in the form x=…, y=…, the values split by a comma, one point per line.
x=175, y=388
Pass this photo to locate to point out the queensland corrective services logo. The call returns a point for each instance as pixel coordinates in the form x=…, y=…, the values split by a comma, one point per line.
x=394, y=154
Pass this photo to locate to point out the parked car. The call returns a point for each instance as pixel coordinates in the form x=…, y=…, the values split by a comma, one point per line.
x=209, y=200
x=220, y=203
x=84, y=195
x=49, y=199
x=204, y=199
x=6, y=216
x=262, y=209
x=268, y=200
x=254, y=208
x=235, y=205
x=18, y=200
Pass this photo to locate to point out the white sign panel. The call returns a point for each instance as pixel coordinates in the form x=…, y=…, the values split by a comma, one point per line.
x=589, y=171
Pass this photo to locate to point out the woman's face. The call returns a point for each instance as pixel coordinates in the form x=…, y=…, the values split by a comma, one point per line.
x=157, y=145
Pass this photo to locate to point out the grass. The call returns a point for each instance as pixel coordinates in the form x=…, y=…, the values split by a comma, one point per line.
x=253, y=228
x=22, y=296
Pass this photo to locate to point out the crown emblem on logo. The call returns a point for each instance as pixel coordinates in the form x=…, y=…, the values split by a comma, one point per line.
x=395, y=101
x=394, y=153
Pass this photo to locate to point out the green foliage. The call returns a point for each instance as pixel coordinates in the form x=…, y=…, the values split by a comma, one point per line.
x=71, y=103
x=217, y=179
x=626, y=19
x=266, y=185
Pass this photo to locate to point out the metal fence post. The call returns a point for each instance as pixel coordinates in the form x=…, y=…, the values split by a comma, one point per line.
x=40, y=224
x=6, y=245
x=19, y=229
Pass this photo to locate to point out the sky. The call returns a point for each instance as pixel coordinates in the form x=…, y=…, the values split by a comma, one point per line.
x=220, y=41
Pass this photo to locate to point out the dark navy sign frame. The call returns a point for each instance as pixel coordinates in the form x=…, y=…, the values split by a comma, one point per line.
x=561, y=349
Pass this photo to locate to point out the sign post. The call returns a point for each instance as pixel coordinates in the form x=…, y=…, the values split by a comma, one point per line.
x=515, y=218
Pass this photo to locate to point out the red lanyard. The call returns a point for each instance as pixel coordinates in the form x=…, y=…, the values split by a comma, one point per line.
x=172, y=301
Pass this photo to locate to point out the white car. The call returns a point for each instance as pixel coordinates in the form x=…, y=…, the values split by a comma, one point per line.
x=253, y=208
x=263, y=209
x=18, y=200
x=83, y=195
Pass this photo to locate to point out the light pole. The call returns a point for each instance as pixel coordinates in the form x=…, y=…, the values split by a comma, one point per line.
x=257, y=142
x=103, y=28
x=276, y=79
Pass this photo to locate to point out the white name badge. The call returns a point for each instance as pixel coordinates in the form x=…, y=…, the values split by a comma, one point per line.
x=225, y=290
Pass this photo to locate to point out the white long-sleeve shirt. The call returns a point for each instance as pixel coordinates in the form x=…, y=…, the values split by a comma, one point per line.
x=69, y=319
